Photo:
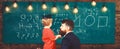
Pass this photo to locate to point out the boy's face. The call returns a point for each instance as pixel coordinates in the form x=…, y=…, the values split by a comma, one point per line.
x=50, y=22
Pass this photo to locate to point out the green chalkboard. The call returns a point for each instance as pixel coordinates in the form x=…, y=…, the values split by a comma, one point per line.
x=92, y=26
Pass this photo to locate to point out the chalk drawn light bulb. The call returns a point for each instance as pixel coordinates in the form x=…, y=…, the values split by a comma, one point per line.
x=66, y=7
x=104, y=9
x=15, y=5
x=54, y=9
x=75, y=10
x=7, y=9
x=93, y=3
x=30, y=8
x=44, y=6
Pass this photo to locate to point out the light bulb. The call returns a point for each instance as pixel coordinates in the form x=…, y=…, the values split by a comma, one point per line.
x=66, y=7
x=7, y=9
x=15, y=5
x=75, y=10
x=54, y=9
x=44, y=6
x=104, y=9
x=93, y=3
x=30, y=8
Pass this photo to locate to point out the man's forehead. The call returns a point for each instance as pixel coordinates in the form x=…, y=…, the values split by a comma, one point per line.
x=63, y=24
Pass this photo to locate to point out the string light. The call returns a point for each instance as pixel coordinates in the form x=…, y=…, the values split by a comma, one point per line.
x=30, y=8
x=54, y=9
x=75, y=10
x=93, y=3
x=7, y=9
x=44, y=6
x=66, y=6
x=104, y=8
x=15, y=4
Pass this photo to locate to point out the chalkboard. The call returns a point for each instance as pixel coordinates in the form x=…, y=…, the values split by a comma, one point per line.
x=92, y=26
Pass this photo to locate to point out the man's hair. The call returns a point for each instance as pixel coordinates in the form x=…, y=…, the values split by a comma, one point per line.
x=69, y=23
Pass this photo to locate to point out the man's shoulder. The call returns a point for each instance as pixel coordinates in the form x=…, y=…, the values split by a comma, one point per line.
x=72, y=36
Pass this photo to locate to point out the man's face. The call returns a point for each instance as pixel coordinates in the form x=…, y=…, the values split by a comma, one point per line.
x=63, y=28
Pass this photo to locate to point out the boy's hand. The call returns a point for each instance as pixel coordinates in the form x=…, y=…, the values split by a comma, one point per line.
x=58, y=36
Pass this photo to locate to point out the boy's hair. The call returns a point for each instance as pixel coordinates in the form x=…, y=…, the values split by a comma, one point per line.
x=46, y=20
x=47, y=16
x=69, y=23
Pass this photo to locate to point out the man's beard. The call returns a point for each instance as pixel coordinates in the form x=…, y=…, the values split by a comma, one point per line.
x=62, y=33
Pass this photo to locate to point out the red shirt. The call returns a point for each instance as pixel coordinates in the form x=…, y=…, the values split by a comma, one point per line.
x=48, y=38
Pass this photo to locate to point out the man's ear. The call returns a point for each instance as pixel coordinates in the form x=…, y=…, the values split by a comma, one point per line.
x=68, y=28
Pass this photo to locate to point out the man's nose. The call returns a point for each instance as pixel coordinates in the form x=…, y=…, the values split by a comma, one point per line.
x=60, y=27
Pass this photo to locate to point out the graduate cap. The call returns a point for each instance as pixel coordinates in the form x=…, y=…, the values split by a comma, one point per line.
x=47, y=16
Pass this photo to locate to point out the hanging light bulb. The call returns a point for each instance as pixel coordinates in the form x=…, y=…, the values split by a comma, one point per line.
x=93, y=3
x=30, y=8
x=54, y=9
x=104, y=9
x=15, y=4
x=75, y=10
x=44, y=6
x=7, y=9
x=66, y=6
